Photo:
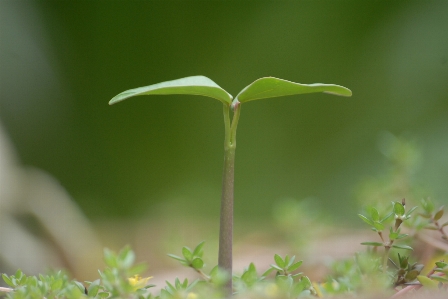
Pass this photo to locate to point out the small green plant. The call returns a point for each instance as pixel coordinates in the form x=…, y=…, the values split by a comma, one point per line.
x=377, y=225
x=433, y=216
x=262, y=88
x=407, y=275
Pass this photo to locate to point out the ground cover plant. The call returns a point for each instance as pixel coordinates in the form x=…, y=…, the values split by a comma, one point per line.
x=390, y=267
x=387, y=269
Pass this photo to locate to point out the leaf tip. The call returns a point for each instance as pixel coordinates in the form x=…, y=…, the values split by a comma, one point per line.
x=343, y=91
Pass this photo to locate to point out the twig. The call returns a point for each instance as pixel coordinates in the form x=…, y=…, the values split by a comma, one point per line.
x=5, y=290
x=405, y=290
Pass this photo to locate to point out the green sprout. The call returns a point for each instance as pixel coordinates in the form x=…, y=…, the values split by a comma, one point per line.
x=262, y=88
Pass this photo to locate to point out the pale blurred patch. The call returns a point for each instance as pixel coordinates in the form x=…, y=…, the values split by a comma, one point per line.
x=40, y=225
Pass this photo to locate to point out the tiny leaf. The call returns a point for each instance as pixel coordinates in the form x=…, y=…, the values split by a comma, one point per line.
x=428, y=206
x=7, y=280
x=427, y=282
x=274, y=266
x=441, y=264
x=126, y=257
x=109, y=258
x=439, y=278
x=401, y=236
x=267, y=272
x=378, y=225
x=387, y=217
x=410, y=211
x=398, y=209
x=374, y=215
x=290, y=261
x=411, y=275
x=94, y=287
x=439, y=214
x=366, y=220
x=186, y=252
x=198, y=250
x=393, y=235
x=279, y=261
x=402, y=247
x=79, y=285
x=295, y=266
x=197, y=263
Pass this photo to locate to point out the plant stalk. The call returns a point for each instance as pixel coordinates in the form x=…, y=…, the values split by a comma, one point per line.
x=226, y=220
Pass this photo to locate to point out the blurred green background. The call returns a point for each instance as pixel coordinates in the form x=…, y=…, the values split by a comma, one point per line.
x=62, y=61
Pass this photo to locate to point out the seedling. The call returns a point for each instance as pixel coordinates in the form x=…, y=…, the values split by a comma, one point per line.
x=262, y=88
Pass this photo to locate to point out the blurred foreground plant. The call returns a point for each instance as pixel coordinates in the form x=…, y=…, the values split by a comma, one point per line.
x=365, y=274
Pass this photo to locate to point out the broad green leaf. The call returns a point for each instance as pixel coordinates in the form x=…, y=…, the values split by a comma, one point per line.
x=270, y=87
x=195, y=85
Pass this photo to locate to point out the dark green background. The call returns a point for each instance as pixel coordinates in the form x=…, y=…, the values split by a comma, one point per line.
x=62, y=61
